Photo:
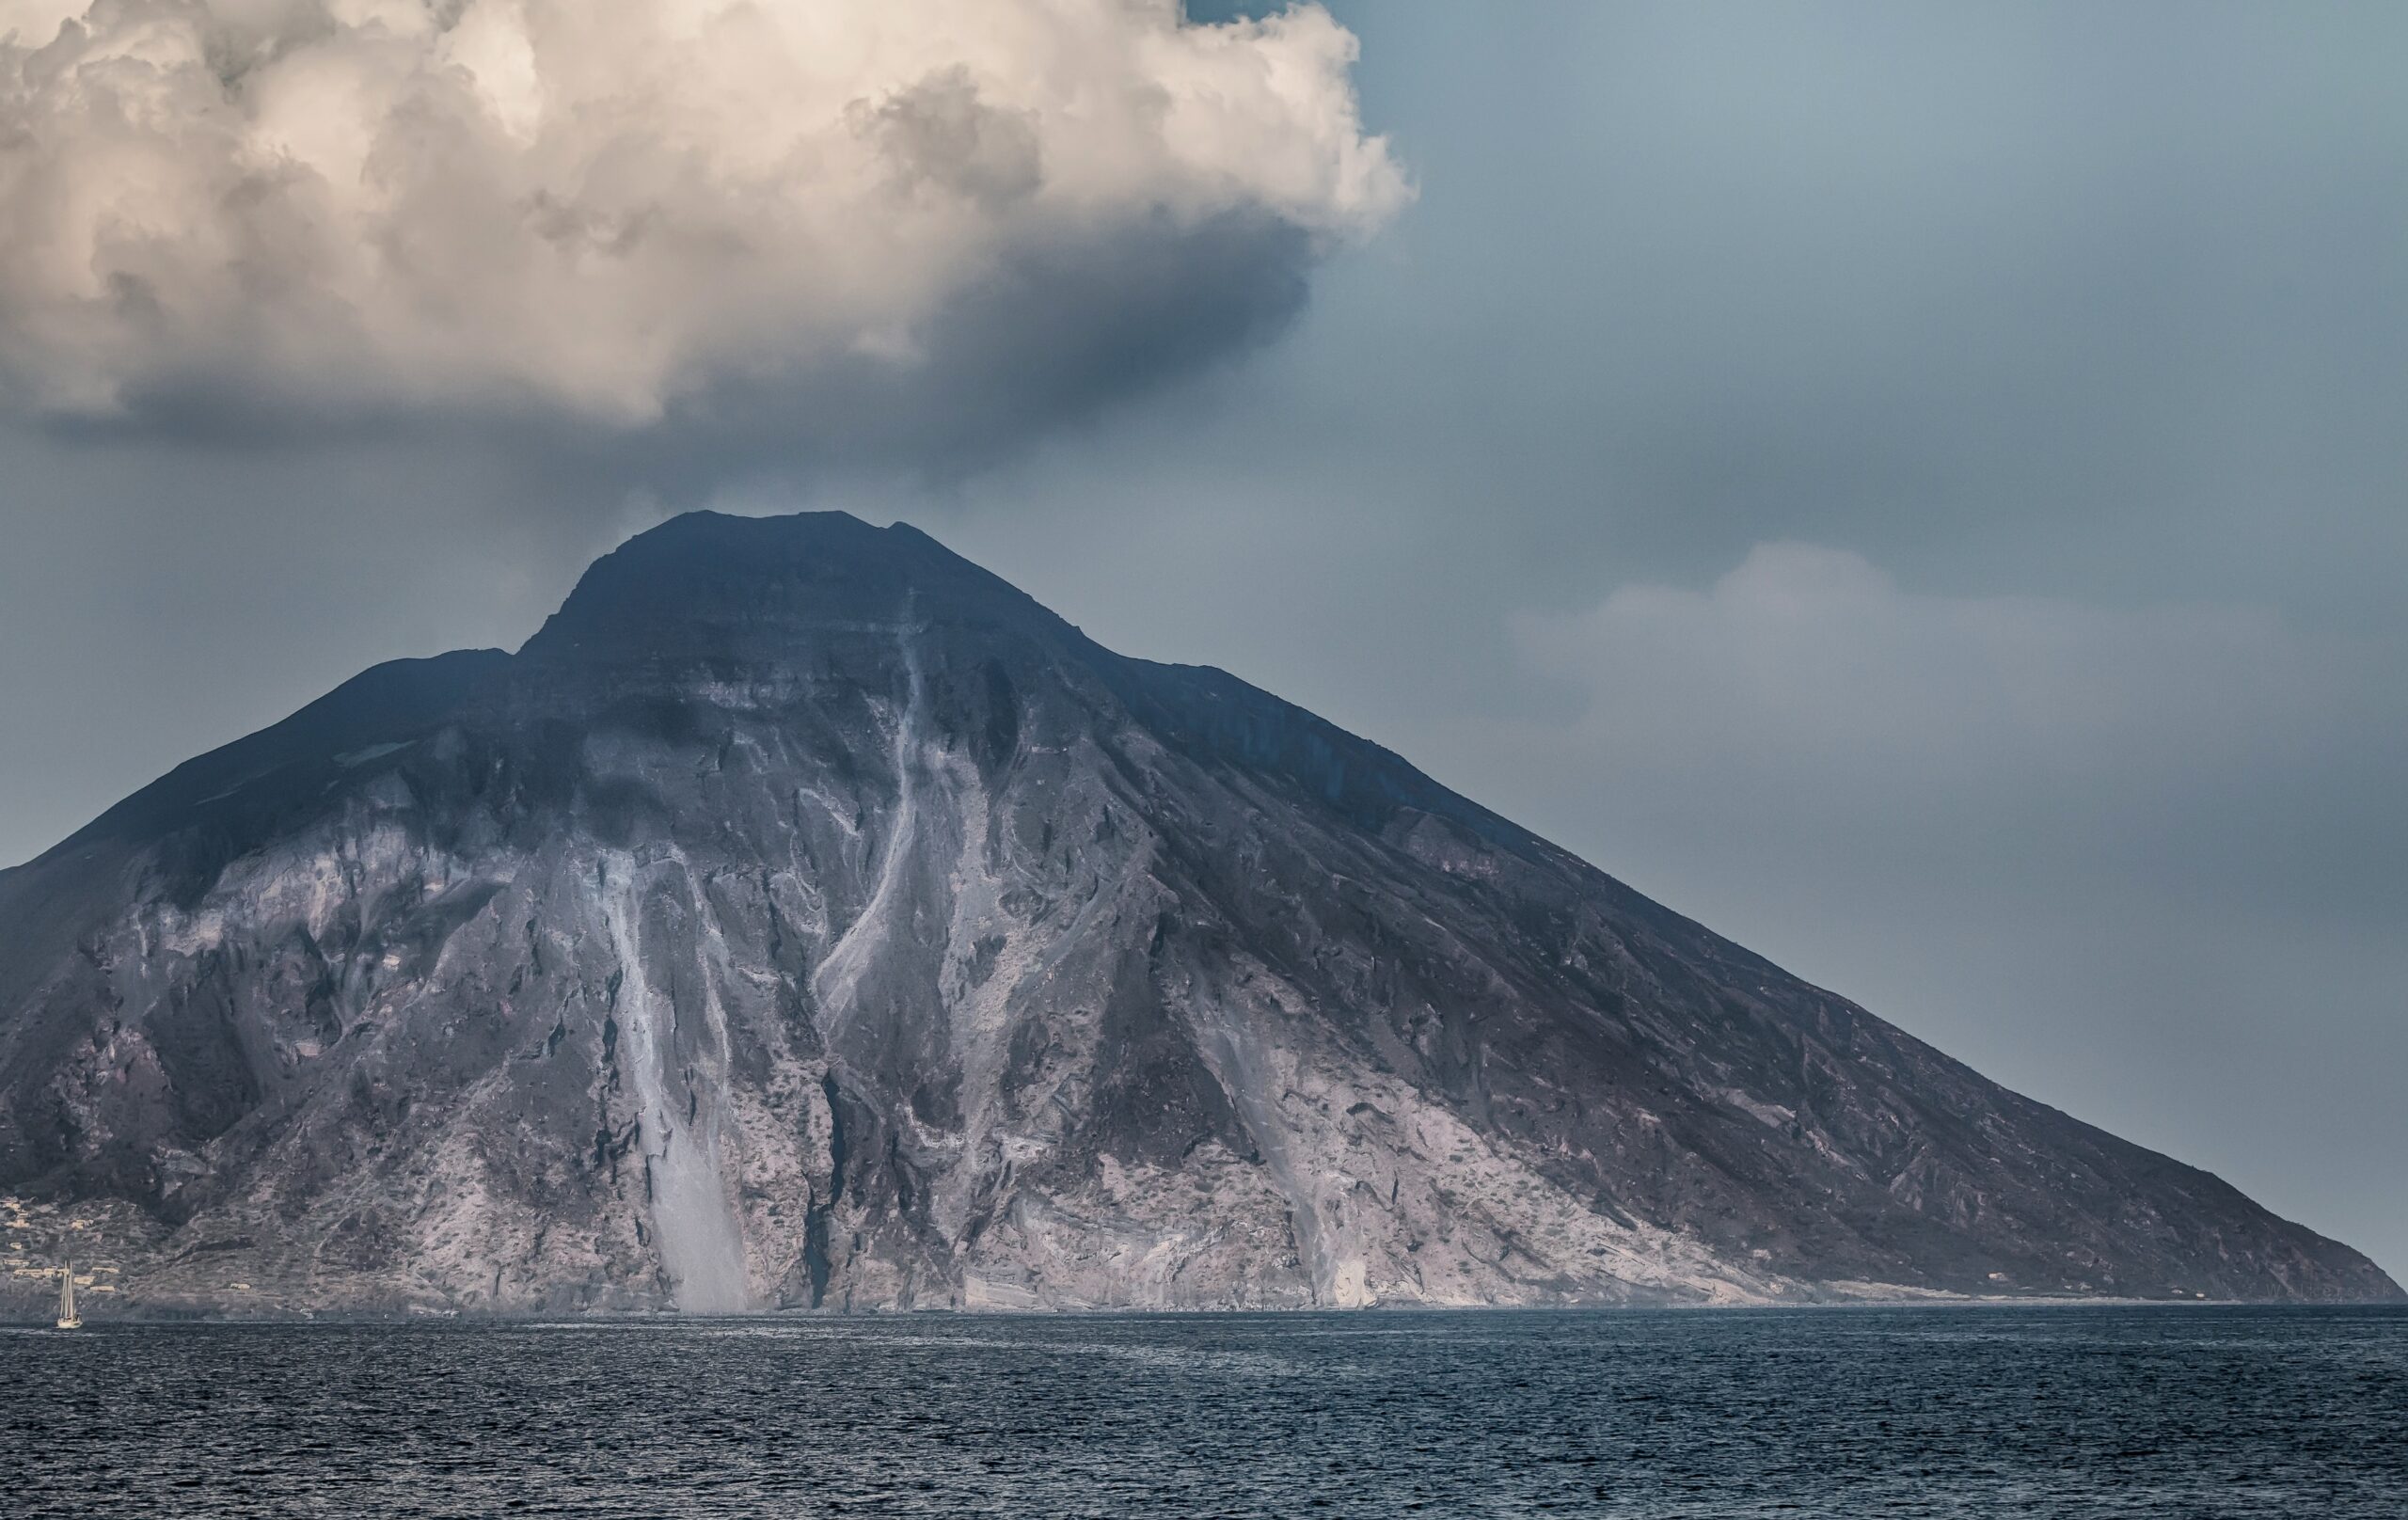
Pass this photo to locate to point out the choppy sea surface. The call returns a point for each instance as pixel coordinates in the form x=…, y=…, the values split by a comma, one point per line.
x=2038, y=1412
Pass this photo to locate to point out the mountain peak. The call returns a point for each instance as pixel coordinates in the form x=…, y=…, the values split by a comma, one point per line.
x=706, y=585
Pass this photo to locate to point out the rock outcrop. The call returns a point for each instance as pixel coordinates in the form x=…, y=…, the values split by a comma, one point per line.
x=806, y=919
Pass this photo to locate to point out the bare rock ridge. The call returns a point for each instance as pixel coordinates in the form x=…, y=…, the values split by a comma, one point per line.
x=806, y=919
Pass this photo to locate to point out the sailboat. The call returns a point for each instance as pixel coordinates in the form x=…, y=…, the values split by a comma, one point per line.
x=68, y=1318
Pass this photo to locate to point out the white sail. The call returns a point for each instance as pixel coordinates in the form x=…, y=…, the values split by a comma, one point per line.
x=66, y=1316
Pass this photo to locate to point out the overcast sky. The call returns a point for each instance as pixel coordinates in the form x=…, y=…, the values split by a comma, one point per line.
x=1918, y=488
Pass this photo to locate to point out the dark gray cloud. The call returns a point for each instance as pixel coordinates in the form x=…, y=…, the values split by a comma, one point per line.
x=1052, y=336
x=1915, y=487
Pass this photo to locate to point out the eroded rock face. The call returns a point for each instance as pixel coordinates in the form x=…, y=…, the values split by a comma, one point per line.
x=806, y=919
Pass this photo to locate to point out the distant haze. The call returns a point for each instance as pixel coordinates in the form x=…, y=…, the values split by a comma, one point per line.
x=1916, y=488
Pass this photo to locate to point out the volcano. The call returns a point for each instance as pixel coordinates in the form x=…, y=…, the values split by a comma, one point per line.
x=806, y=919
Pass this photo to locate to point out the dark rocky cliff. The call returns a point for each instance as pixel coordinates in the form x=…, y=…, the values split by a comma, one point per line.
x=805, y=918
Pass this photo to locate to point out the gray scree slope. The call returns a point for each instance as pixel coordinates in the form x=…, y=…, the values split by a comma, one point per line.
x=806, y=919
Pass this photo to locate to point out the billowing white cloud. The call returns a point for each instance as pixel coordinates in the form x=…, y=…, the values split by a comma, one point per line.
x=614, y=210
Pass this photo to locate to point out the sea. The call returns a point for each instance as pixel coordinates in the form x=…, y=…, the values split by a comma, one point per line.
x=2016, y=1411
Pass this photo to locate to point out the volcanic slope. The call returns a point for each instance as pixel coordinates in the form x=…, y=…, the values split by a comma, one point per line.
x=806, y=919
